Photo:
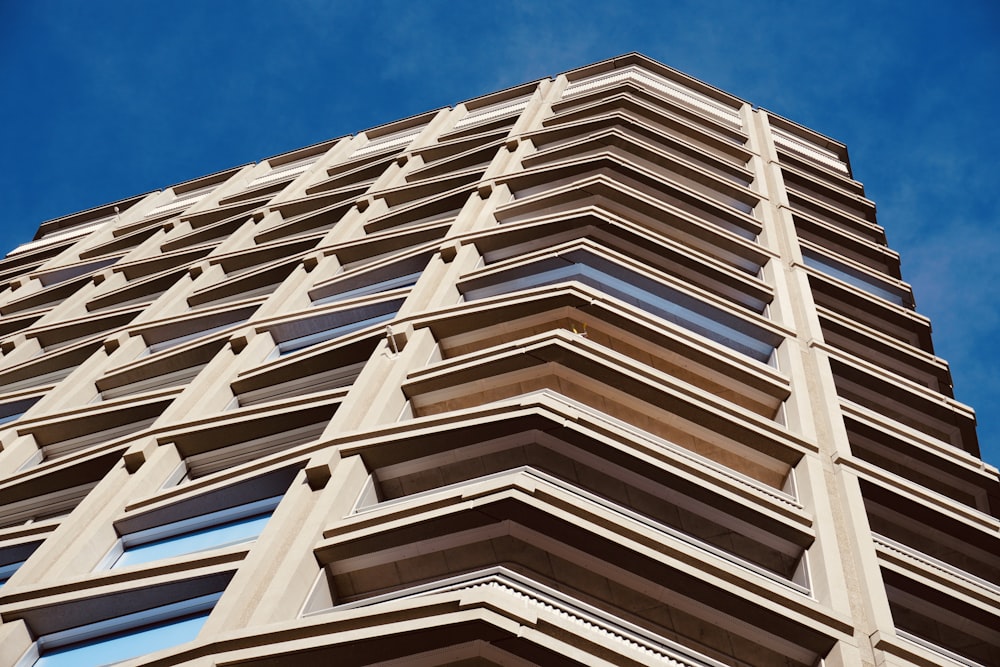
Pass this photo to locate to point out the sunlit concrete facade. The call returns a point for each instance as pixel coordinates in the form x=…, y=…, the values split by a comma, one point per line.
x=611, y=368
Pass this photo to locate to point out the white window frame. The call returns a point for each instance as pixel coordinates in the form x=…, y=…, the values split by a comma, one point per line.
x=110, y=626
x=65, y=447
x=385, y=142
x=229, y=456
x=162, y=381
x=191, y=524
x=56, y=237
x=700, y=317
x=335, y=378
x=153, y=348
x=283, y=171
x=291, y=345
x=48, y=505
x=384, y=285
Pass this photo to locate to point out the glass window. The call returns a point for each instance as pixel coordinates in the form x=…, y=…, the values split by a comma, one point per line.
x=113, y=640
x=296, y=344
x=646, y=293
x=385, y=285
x=173, y=342
x=211, y=531
x=13, y=410
x=124, y=645
x=854, y=277
x=9, y=418
x=7, y=571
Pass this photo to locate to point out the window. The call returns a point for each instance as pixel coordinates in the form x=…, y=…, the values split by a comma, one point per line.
x=11, y=411
x=188, y=523
x=124, y=637
x=673, y=90
x=302, y=342
x=7, y=571
x=286, y=171
x=370, y=276
x=385, y=285
x=327, y=380
x=43, y=506
x=395, y=140
x=12, y=557
x=200, y=533
x=173, y=342
x=182, y=200
x=855, y=277
x=647, y=293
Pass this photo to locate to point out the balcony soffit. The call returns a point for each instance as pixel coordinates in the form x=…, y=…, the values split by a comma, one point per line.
x=306, y=363
x=573, y=359
x=123, y=243
x=653, y=184
x=218, y=213
x=430, y=187
x=150, y=367
x=730, y=379
x=630, y=97
x=560, y=426
x=466, y=160
x=454, y=321
x=303, y=207
x=365, y=173
x=167, y=328
x=143, y=266
x=585, y=250
x=558, y=496
x=263, y=254
x=461, y=146
x=306, y=223
x=205, y=235
x=609, y=194
x=243, y=424
x=623, y=145
x=683, y=102
x=245, y=281
x=441, y=203
x=45, y=297
x=642, y=244
x=629, y=560
x=628, y=122
x=150, y=285
x=414, y=257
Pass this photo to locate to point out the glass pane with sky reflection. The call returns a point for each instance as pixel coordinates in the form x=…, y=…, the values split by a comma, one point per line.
x=213, y=537
x=124, y=645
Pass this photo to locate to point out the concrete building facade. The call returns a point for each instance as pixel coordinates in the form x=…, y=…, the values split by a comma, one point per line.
x=611, y=368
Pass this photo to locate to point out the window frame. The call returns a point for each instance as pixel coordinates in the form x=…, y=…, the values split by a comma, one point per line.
x=293, y=345
x=182, y=527
x=135, y=621
x=668, y=302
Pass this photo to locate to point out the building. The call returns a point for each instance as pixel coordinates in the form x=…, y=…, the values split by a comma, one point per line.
x=611, y=368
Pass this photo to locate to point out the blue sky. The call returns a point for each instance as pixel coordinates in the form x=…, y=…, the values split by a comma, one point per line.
x=104, y=100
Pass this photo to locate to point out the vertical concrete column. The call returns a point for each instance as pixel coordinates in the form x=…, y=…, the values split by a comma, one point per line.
x=845, y=570
x=84, y=537
x=276, y=578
